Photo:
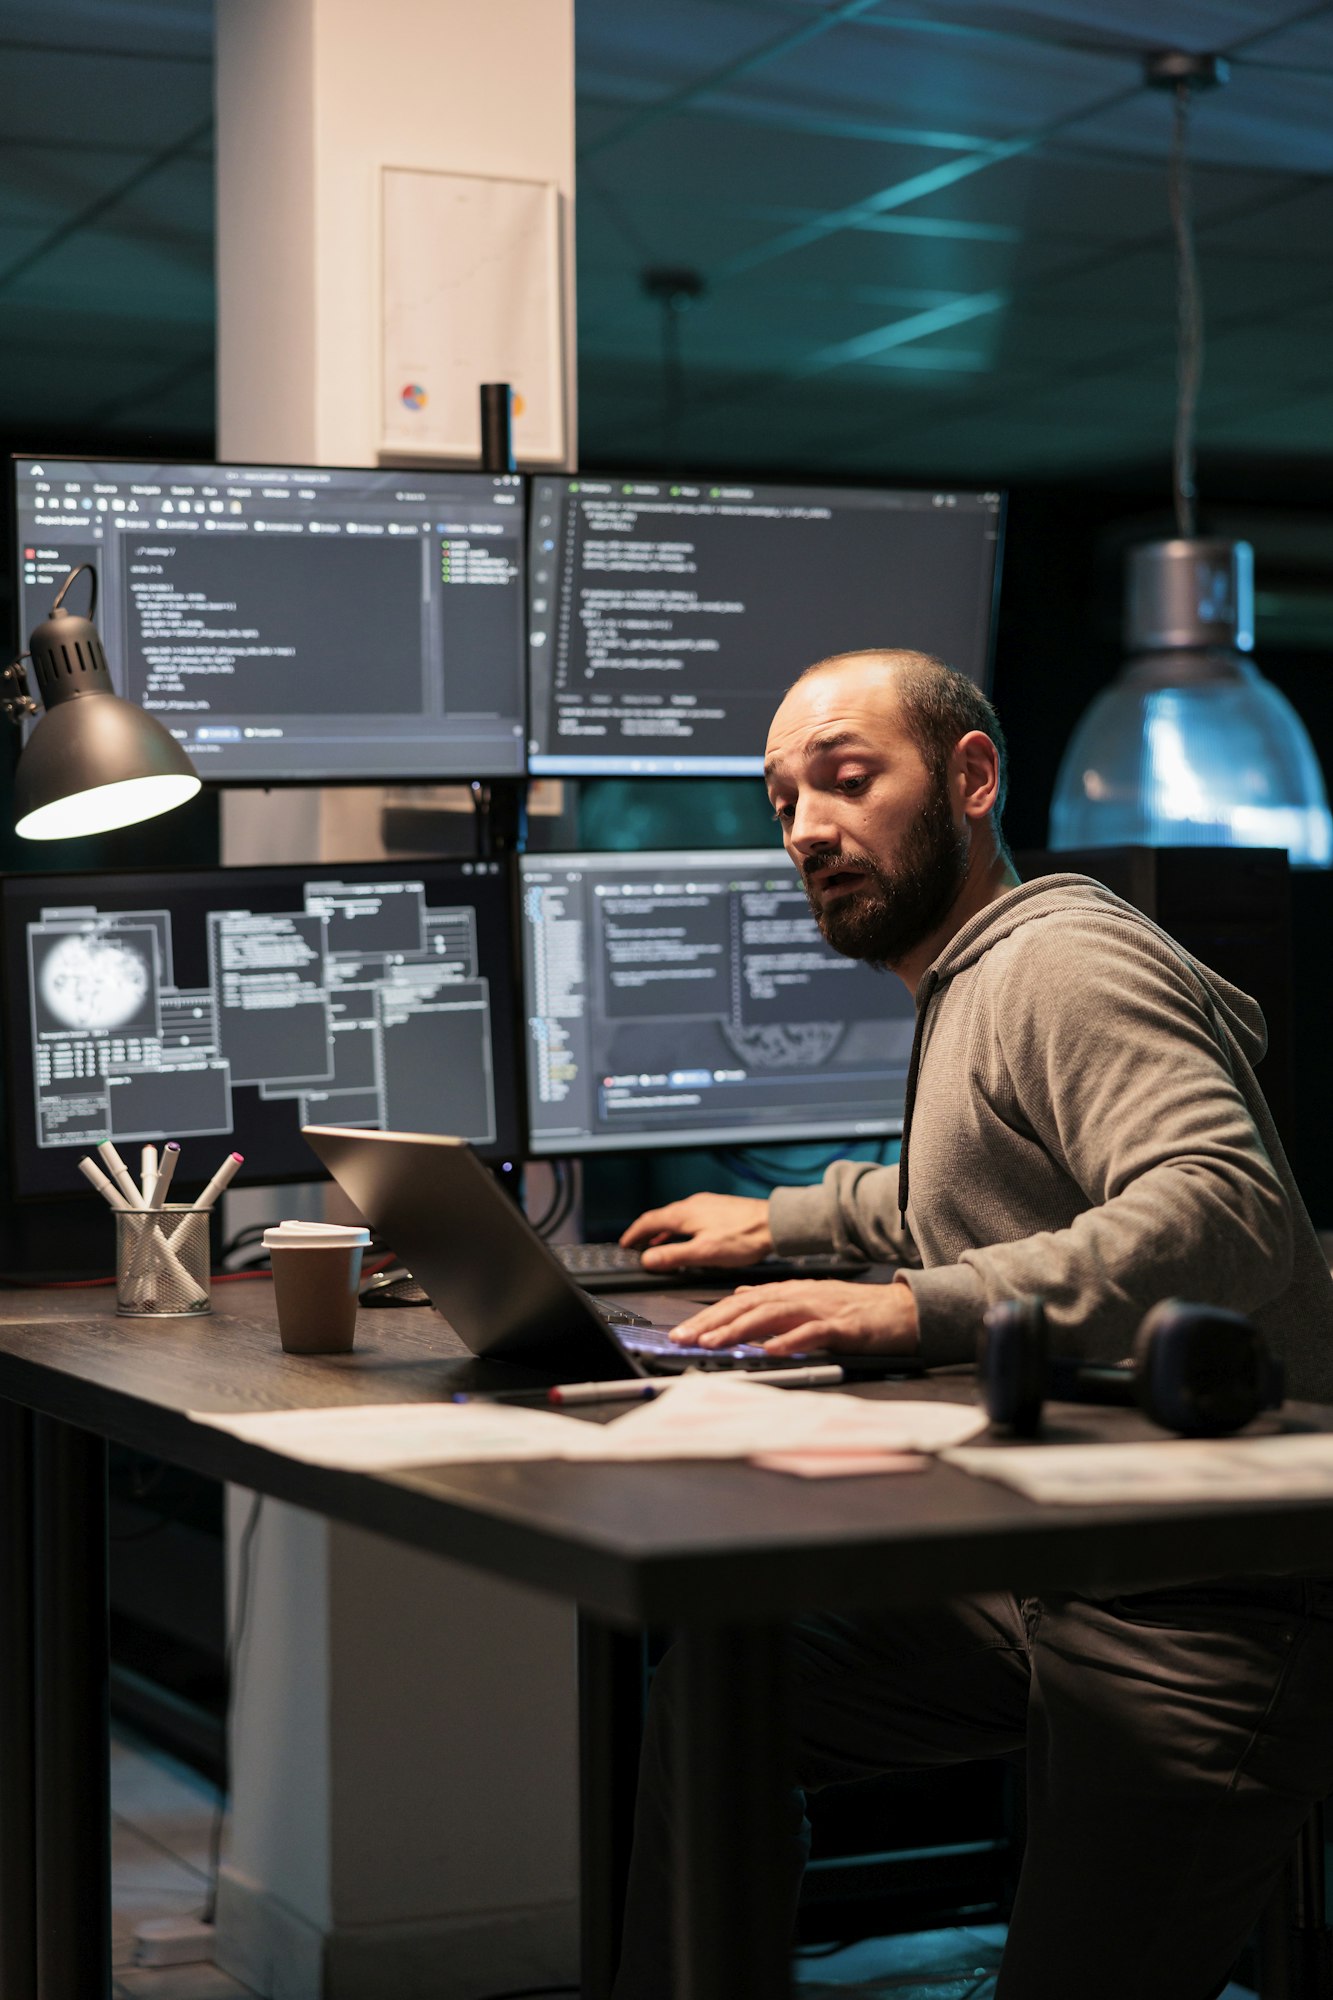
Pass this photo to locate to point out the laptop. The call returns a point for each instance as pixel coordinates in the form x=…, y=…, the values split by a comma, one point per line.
x=502, y=1289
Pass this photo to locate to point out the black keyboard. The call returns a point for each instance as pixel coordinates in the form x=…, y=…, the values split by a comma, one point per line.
x=608, y=1267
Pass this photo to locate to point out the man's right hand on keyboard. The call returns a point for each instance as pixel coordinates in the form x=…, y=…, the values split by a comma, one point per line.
x=727, y=1229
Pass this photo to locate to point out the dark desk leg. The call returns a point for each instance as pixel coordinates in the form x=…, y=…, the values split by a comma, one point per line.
x=732, y=1919
x=612, y=1693
x=18, y=1872
x=73, y=1726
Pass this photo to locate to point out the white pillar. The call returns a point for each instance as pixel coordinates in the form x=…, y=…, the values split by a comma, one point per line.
x=315, y=98
x=404, y=1783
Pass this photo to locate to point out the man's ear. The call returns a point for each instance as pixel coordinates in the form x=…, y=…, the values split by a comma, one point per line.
x=977, y=763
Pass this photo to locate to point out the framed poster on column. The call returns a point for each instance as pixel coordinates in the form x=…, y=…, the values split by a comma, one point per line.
x=471, y=292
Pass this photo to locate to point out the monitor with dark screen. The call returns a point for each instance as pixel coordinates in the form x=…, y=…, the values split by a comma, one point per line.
x=668, y=617
x=689, y=1000
x=229, y=1007
x=296, y=624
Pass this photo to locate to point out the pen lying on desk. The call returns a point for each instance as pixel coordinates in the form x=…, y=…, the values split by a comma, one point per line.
x=821, y=1377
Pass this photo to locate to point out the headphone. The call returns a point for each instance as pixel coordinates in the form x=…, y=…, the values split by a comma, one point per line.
x=1199, y=1370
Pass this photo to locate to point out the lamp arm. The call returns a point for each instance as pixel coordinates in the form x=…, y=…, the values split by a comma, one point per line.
x=15, y=701
x=92, y=601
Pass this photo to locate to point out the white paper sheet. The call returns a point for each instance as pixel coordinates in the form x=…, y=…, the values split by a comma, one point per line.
x=379, y=1437
x=721, y=1416
x=1090, y=1475
x=704, y=1417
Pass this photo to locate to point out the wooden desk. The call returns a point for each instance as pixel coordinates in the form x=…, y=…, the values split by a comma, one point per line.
x=723, y=1553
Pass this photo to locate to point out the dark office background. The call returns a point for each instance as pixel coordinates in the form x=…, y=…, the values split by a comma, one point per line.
x=820, y=239
x=817, y=240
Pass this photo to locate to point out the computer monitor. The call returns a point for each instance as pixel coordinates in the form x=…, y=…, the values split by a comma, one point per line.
x=667, y=617
x=689, y=1000
x=227, y=1007
x=296, y=623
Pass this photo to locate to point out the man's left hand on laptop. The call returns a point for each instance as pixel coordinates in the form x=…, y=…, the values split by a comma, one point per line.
x=808, y=1315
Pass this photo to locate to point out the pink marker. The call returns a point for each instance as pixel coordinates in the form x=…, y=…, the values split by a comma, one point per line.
x=225, y=1173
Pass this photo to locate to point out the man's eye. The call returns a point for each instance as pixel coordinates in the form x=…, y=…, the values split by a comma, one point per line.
x=856, y=784
x=782, y=813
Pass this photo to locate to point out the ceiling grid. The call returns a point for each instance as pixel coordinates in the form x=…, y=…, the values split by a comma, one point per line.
x=932, y=240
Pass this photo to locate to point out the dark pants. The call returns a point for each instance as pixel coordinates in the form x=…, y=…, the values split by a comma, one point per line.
x=1175, y=1742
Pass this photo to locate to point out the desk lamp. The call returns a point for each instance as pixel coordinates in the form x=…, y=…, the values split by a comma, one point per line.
x=1190, y=746
x=93, y=762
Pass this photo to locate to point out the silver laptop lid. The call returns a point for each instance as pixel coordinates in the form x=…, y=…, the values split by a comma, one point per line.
x=473, y=1250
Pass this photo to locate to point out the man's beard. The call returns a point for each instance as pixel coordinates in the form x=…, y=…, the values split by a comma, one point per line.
x=893, y=913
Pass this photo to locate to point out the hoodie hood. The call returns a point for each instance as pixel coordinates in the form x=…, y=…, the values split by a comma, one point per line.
x=1059, y=895
x=1065, y=896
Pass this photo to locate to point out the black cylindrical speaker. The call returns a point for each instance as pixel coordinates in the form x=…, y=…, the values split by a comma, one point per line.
x=497, y=427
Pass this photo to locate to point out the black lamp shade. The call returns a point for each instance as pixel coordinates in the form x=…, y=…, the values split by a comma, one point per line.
x=93, y=762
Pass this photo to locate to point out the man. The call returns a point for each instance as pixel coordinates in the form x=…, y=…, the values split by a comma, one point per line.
x=1083, y=1122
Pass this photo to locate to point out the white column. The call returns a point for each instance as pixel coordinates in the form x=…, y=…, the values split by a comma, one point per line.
x=315, y=98
x=404, y=1788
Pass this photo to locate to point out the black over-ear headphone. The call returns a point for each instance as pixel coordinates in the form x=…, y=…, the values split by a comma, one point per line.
x=1199, y=1370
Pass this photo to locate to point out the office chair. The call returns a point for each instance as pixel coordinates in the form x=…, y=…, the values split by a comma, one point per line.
x=1295, y=1943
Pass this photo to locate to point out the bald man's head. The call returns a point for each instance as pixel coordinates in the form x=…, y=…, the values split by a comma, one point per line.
x=937, y=705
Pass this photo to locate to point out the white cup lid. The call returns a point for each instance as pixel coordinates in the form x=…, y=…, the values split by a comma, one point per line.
x=315, y=1235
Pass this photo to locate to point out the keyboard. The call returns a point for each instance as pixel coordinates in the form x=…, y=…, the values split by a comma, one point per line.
x=608, y=1267
x=654, y=1349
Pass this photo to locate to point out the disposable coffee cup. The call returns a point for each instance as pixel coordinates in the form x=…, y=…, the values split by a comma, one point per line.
x=316, y=1272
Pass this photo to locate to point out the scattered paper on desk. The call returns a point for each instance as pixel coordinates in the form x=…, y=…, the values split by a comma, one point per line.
x=724, y=1416
x=379, y=1437
x=705, y=1416
x=1293, y=1466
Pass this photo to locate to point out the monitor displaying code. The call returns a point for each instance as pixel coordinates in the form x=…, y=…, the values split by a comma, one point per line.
x=228, y=1007
x=689, y=999
x=668, y=618
x=301, y=624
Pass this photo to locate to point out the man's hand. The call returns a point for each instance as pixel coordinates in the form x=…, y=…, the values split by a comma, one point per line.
x=809, y=1314
x=716, y=1228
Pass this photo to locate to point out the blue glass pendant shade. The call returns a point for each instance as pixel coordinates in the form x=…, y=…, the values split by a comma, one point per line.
x=1190, y=746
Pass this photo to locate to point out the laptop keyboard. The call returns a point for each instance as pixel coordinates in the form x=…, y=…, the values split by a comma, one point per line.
x=615, y=1315
x=653, y=1346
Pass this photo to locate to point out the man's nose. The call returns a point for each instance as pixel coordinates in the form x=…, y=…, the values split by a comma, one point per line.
x=812, y=826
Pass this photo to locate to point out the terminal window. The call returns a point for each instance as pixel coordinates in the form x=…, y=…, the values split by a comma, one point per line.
x=667, y=619
x=238, y=1005
x=297, y=623
x=689, y=999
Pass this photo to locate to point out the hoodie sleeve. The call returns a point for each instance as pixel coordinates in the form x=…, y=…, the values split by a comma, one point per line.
x=854, y=1208
x=1106, y=1052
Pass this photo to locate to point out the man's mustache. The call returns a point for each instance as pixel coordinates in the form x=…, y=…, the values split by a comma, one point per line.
x=815, y=864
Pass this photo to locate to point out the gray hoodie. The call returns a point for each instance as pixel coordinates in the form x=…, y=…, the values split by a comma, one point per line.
x=1083, y=1122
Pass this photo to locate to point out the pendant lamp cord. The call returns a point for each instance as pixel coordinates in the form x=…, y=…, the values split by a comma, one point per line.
x=1189, y=317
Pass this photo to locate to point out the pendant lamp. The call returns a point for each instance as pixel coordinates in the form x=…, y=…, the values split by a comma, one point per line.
x=1190, y=746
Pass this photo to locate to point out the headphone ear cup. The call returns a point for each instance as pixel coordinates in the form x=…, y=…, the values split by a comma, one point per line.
x=1201, y=1370
x=1011, y=1364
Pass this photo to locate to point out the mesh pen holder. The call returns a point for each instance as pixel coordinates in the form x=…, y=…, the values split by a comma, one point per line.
x=162, y=1262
